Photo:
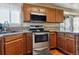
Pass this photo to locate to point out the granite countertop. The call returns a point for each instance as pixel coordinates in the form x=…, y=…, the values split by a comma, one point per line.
x=69, y=32
x=13, y=33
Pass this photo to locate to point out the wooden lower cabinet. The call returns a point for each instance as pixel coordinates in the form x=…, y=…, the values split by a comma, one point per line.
x=61, y=43
x=66, y=43
x=28, y=43
x=1, y=45
x=14, y=47
x=70, y=46
x=10, y=48
x=20, y=44
x=52, y=40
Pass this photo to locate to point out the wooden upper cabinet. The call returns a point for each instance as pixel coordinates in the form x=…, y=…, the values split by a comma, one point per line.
x=34, y=8
x=28, y=8
x=38, y=9
x=59, y=15
x=26, y=12
x=51, y=15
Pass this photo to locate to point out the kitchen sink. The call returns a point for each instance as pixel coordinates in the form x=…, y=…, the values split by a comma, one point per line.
x=3, y=32
x=8, y=32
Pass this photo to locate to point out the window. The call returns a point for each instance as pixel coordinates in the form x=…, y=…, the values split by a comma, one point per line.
x=76, y=24
x=11, y=13
x=15, y=17
x=4, y=15
x=67, y=24
x=61, y=26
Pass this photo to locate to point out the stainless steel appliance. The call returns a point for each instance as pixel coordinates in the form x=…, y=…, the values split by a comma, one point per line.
x=40, y=40
x=37, y=17
x=40, y=37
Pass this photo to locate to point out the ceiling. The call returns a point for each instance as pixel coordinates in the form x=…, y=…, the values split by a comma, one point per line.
x=74, y=6
x=69, y=8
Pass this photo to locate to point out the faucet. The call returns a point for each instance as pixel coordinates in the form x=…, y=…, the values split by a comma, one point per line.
x=6, y=25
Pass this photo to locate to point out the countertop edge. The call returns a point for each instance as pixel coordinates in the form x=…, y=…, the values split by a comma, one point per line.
x=19, y=32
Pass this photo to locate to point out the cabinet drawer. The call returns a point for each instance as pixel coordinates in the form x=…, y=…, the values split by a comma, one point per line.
x=69, y=35
x=13, y=37
x=60, y=34
x=52, y=32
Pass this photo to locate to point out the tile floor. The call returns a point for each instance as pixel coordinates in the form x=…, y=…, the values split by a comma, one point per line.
x=56, y=52
x=47, y=52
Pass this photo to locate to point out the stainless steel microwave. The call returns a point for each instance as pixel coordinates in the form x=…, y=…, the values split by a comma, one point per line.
x=37, y=17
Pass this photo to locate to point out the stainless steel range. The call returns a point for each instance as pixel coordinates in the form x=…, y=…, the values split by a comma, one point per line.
x=40, y=40
x=40, y=37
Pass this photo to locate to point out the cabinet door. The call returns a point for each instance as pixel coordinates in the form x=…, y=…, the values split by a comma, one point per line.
x=52, y=40
x=1, y=46
x=19, y=46
x=35, y=8
x=14, y=47
x=29, y=43
x=61, y=41
x=25, y=44
x=70, y=45
x=38, y=9
x=59, y=15
x=58, y=42
x=26, y=12
x=10, y=48
x=50, y=15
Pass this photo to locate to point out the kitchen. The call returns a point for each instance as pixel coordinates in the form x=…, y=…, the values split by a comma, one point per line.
x=39, y=29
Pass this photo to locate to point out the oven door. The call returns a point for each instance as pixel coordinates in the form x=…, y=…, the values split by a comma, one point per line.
x=41, y=37
x=40, y=40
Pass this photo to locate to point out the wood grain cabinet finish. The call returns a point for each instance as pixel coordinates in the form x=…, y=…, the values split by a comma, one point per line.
x=59, y=15
x=1, y=45
x=28, y=8
x=29, y=43
x=50, y=15
x=70, y=45
x=66, y=43
x=14, y=46
x=26, y=12
x=18, y=44
x=53, y=15
x=52, y=40
x=38, y=9
x=61, y=41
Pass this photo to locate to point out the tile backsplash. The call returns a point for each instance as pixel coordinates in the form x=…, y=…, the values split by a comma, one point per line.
x=52, y=26
x=47, y=26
